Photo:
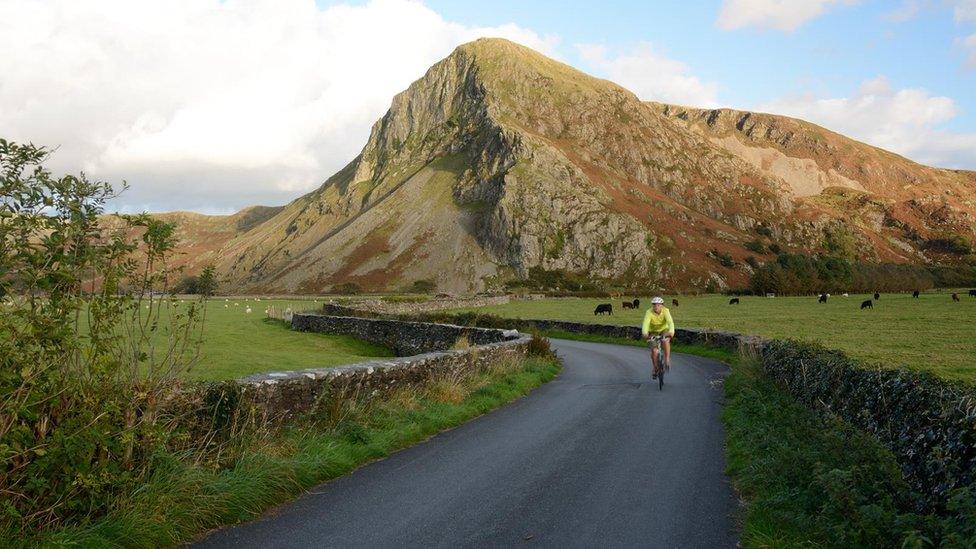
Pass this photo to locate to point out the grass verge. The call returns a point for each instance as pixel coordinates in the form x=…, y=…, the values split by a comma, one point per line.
x=183, y=499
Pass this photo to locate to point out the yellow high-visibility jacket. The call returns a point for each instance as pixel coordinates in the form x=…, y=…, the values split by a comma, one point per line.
x=655, y=324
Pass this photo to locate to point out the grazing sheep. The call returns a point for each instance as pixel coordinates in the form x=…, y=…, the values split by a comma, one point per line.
x=867, y=305
x=734, y=301
x=972, y=293
x=603, y=308
x=877, y=296
x=636, y=303
x=822, y=298
x=915, y=294
x=248, y=310
x=628, y=305
x=955, y=297
x=674, y=302
x=845, y=295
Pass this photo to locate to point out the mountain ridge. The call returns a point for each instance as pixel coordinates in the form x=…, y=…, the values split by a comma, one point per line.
x=499, y=159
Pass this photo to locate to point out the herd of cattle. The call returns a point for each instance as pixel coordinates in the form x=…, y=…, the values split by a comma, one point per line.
x=607, y=308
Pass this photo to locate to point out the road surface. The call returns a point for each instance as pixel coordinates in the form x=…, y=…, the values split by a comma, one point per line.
x=598, y=457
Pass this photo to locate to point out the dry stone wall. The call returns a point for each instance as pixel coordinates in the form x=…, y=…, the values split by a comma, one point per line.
x=404, y=338
x=225, y=408
x=383, y=306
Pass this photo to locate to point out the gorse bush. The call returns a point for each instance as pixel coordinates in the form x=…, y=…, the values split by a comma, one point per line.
x=88, y=358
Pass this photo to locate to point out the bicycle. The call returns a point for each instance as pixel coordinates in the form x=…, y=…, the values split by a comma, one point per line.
x=661, y=366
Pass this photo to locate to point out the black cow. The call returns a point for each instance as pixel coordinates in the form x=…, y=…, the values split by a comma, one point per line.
x=877, y=296
x=867, y=305
x=628, y=305
x=603, y=308
x=674, y=302
x=734, y=301
x=915, y=294
x=955, y=297
x=822, y=298
x=972, y=293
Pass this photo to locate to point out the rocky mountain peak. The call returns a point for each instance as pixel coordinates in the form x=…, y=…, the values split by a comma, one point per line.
x=499, y=160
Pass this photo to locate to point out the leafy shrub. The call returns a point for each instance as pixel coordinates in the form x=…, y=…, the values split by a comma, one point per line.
x=756, y=246
x=205, y=284
x=423, y=286
x=840, y=242
x=540, y=346
x=83, y=389
x=349, y=288
x=724, y=259
x=949, y=243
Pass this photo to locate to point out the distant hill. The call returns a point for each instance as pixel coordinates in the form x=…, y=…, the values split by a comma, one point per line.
x=500, y=159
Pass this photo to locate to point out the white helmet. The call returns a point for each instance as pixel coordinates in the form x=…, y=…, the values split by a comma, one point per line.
x=657, y=300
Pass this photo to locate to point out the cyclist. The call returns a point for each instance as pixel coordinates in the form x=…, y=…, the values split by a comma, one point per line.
x=658, y=321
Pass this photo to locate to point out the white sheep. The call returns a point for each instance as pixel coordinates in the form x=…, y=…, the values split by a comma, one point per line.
x=248, y=310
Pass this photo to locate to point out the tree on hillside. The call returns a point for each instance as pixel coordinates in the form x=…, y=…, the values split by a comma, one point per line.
x=207, y=283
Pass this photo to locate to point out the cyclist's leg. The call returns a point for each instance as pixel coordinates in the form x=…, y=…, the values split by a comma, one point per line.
x=653, y=361
x=667, y=353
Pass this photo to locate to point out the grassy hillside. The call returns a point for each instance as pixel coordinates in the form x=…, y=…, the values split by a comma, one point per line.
x=930, y=333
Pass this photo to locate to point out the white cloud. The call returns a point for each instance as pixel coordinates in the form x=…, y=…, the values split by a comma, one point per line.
x=650, y=75
x=784, y=15
x=213, y=105
x=964, y=10
x=906, y=121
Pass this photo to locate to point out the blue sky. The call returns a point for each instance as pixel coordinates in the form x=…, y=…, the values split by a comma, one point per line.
x=830, y=55
x=214, y=105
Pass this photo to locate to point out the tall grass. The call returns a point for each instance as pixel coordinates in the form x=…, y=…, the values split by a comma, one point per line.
x=183, y=499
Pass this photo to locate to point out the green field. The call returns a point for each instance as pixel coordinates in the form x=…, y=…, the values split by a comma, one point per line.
x=237, y=343
x=930, y=333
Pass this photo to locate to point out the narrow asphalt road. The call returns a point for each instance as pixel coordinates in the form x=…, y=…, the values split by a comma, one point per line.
x=597, y=457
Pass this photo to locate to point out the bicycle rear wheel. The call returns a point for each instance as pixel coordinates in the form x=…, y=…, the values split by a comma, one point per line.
x=660, y=371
